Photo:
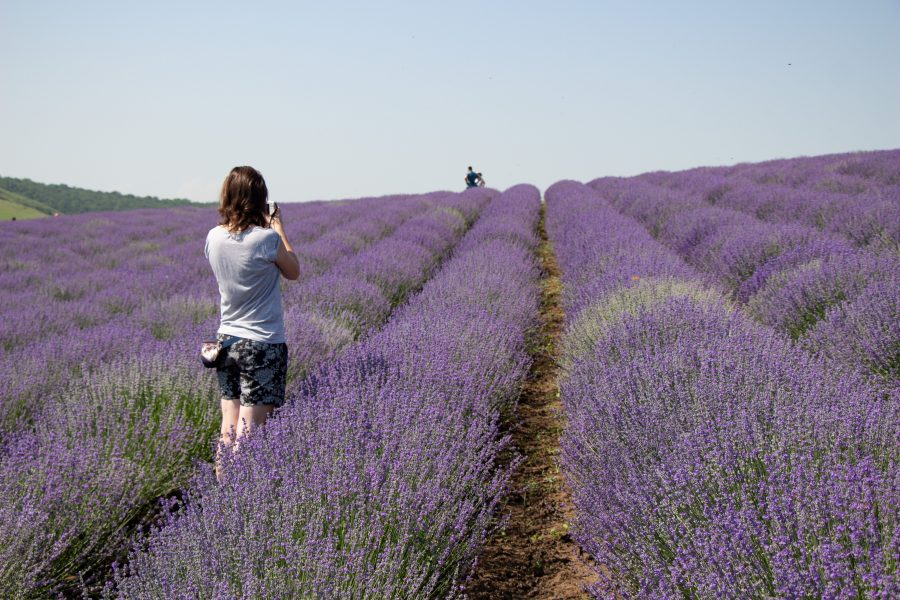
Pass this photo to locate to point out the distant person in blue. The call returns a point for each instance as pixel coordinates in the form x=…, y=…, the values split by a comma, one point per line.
x=473, y=179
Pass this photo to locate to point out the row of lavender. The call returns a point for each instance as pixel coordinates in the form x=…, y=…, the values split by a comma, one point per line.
x=101, y=266
x=100, y=451
x=853, y=195
x=379, y=478
x=835, y=299
x=112, y=285
x=357, y=291
x=708, y=457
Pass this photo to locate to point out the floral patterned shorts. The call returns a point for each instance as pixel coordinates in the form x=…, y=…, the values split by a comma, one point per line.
x=253, y=372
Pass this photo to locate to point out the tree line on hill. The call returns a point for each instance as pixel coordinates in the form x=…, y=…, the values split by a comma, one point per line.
x=63, y=199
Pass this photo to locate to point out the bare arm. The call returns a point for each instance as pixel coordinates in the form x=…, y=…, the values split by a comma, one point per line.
x=287, y=262
x=285, y=259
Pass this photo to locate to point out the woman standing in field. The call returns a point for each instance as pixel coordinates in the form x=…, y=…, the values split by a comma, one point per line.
x=249, y=253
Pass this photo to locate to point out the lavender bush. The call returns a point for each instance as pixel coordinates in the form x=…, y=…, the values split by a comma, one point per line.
x=94, y=465
x=707, y=456
x=788, y=274
x=623, y=256
x=864, y=333
x=378, y=480
x=854, y=195
x=796, y=299
x=710, y=459
x=113, y=440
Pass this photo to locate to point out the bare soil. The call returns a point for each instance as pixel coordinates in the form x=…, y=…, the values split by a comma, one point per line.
x=534, y=556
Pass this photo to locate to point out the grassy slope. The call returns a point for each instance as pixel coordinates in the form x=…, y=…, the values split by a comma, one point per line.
x=10, y=210
x=12, y=205
x=21, y=200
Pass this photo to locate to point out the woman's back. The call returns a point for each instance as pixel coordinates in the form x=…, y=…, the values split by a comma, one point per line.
x=244, y=266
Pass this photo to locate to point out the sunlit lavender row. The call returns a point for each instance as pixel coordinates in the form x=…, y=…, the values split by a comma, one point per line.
x=104, y=445
x=378, y=479
x=815, y=286
x=707, y=456
x=856, y=195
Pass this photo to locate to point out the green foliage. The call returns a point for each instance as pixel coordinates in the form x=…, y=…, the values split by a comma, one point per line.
x=21, y=200
x=13, y=210
x=61, y=198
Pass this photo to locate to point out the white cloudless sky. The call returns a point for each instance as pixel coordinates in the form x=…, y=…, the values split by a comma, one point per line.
x=348, y=99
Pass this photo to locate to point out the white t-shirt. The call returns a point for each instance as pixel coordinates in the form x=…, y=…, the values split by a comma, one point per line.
x=244, y=265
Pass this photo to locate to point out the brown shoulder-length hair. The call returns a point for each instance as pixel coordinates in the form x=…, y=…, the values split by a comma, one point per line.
x=243, y=201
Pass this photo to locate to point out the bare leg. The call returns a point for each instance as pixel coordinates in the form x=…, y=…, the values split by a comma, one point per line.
x=249, y=418
x=230, y=414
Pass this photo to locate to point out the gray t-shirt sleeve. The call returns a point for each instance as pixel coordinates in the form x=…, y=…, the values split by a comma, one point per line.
x=269, y=247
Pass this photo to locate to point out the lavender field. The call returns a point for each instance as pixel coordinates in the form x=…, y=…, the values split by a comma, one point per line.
x=729, y=387
x=731, y=378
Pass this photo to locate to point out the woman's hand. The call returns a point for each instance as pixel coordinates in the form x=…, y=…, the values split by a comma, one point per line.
x=275, y=220
x=275, y=223
x=285, y=260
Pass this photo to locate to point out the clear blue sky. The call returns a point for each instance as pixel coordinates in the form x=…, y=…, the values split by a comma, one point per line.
x=345, y=99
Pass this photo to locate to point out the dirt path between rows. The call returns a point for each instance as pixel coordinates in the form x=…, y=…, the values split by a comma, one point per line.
x=534, y=556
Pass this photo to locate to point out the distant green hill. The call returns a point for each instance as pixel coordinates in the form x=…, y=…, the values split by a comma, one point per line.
x=50, y=198
x=13, y=210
